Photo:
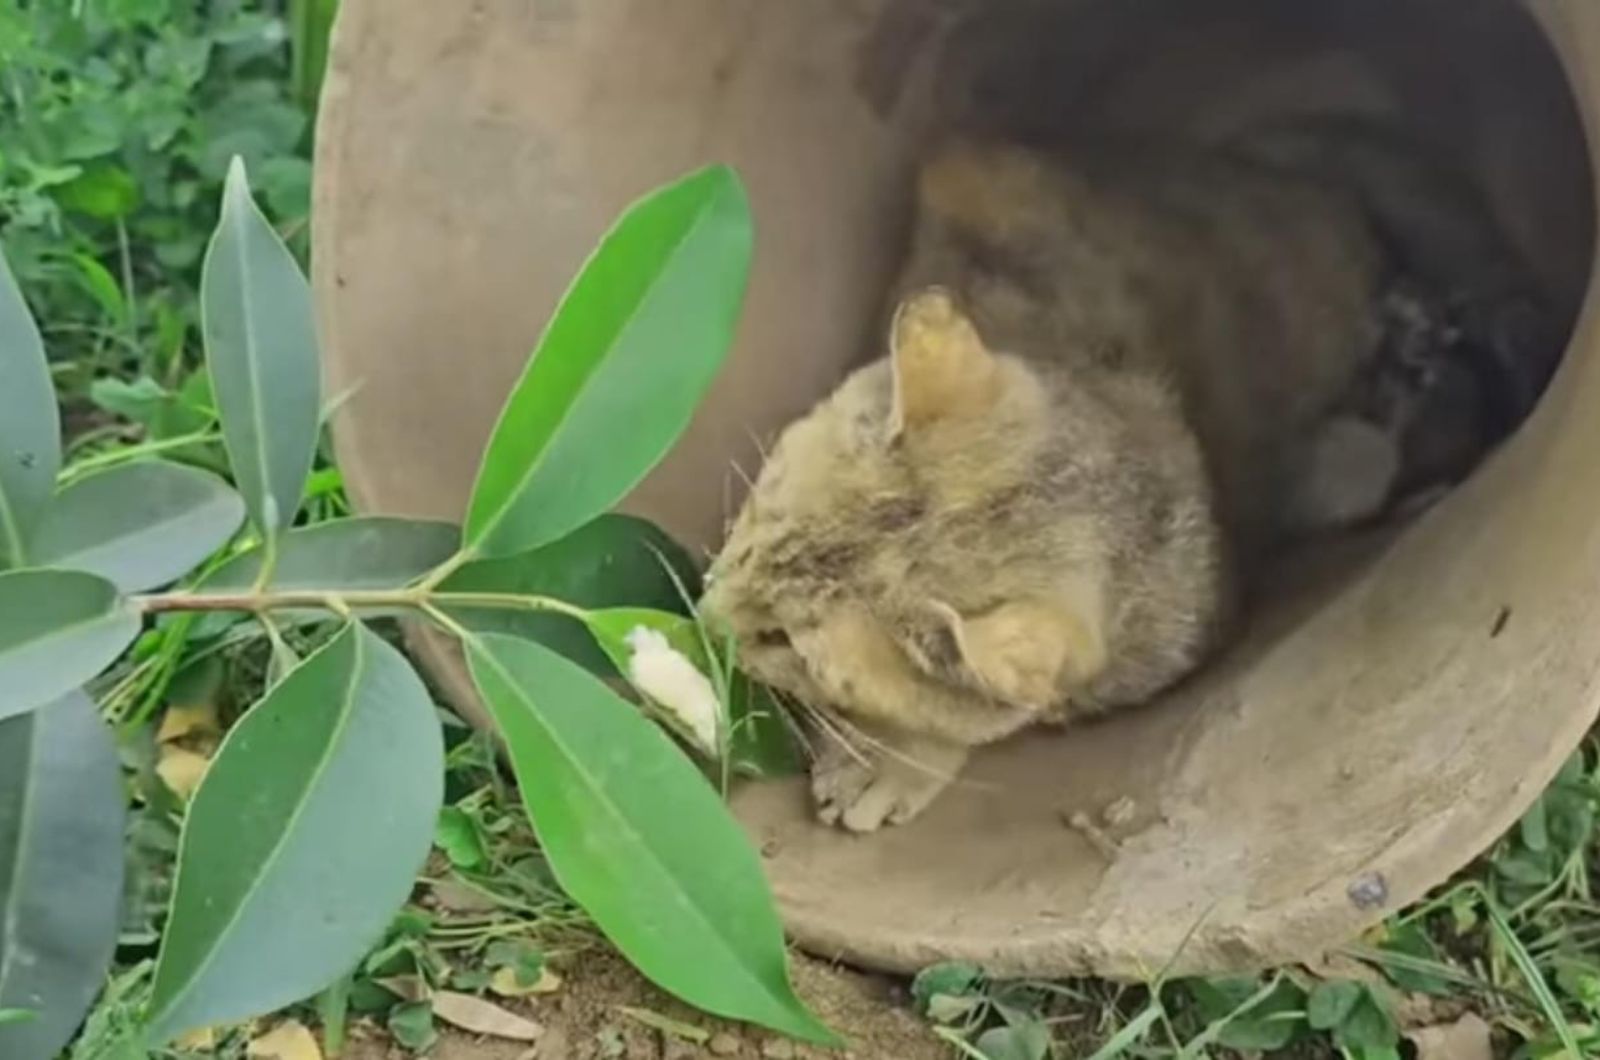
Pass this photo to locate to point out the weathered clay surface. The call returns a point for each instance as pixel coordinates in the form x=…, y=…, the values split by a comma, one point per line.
x=1375, y=732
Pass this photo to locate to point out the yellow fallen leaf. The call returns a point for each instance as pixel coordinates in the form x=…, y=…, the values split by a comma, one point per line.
x=201, y=1040
x=287, y=1041
x=505, y=983
x=190, y=719
x=483, y=1017
x=181, y=770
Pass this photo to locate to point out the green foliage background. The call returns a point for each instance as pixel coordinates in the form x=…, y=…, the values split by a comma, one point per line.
x=117, y=121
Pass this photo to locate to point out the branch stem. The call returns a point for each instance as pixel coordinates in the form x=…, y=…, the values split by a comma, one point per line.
x=341, y=601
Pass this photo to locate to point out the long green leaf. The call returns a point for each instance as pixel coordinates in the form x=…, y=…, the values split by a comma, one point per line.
x=139, y=525
x=310, y=28
x=304, y=838
x=366, y=553
x=261, y=349
x=760, y=742
x=30, y=427
x=612, y=561
x=61, y=825
x=57, y=630
x=625, y=360
x=639, y=838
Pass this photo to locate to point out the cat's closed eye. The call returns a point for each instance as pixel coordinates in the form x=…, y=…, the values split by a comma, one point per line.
x=771, y=638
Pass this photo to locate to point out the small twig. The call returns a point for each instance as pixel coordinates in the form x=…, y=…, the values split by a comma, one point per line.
x=1079, y=822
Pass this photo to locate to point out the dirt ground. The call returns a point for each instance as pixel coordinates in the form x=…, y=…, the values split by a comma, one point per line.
x=585, y=1020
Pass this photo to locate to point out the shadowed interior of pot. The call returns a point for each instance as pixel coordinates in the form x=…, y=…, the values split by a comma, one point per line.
x=1393, y=707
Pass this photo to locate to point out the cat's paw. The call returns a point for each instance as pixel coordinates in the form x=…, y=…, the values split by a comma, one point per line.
x=862, y=794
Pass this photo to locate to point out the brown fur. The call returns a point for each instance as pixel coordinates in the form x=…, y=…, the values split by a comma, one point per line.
x=1104, y=372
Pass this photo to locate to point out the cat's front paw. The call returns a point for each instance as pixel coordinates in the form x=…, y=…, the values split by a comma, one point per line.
x=862, y=792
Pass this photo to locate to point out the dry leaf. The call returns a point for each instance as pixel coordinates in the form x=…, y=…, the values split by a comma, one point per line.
x=459, y=898
x=483, y=1017
x=201, y=1040
x=181, y=770
x=194, y=719
x=286, y=1041
x=1465, y=1039
x=505, y=983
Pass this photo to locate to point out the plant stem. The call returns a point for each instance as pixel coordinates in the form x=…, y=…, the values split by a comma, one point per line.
x=343, y=601
x=435, y=577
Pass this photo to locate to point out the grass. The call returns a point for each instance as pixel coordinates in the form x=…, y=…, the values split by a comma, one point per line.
x=116, y=120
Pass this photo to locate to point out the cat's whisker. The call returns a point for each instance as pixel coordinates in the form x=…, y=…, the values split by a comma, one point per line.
x=902, y=757
x=833, y=727
x=749, y=483
x=755, y=440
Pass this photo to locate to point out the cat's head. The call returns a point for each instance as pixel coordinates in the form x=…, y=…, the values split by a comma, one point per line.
x=903, y=523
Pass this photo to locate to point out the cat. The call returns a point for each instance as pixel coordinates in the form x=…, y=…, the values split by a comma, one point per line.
x=1111, y=376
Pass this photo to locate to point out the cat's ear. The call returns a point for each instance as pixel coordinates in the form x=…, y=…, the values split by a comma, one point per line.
x=942, y=370
x=1027, y=652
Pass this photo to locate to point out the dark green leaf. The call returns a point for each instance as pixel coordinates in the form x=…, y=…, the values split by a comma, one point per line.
x=457, y=835
x=311, y=25
x=1526, y=868
x=30, y=429
x=139, y=525
x=615, y=560
x=1368, y=1025
x=368, y=553
x=98, y=283
x=526, y=959
x=1029, y=1041
x=103, y=191
x=1330, y=1003
x=952, y=979
x=57, y=630
x=1534, y=829
x=412, y=1025
x=136, y=401
x=615, y=379
x=368, y=997
x=61, y=865
x=305, y=836
x=639, y=838
x=261, y=349
x=1271, y=1023
x=1411, y=940
x=759, y=740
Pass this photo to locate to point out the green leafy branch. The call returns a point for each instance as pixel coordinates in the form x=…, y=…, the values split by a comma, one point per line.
x=319, y=808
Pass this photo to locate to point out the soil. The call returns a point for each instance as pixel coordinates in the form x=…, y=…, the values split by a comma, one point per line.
x=584, y=1020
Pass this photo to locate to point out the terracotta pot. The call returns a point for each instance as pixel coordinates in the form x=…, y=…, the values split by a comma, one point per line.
x=1381, y=726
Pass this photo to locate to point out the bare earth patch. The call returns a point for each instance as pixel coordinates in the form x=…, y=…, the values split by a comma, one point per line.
x=586, y=1020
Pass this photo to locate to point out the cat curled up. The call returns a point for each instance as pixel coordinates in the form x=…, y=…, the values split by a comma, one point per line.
x=1107, y=378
